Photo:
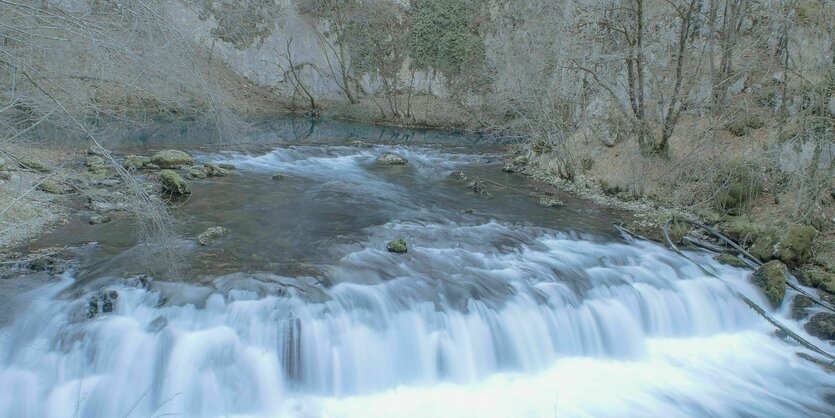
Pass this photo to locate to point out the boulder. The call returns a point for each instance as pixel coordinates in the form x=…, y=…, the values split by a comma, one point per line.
x=171, y=159
x=771, y=279
x=799, y=307
x=50, y=187
x=397, y=246
x=821, y=325
x=391, y=158
x=174, y=183
x=133, y=163
x=211, y=234
x=35, y=165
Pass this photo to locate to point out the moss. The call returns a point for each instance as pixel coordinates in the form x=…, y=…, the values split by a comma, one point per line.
x=50, y=187
x=32, y=164
x=817, y=277
x=215, y=171
x=825, y=254
x=174, y=183
x=730, y=260
x=795, y=247
x=171, y=159
x=764, y=246
x=397, y=246
x=745, y=125
x=738, y=185
x=771, y=279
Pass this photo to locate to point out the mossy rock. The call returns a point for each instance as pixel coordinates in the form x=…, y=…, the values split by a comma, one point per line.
x=171, y=159
x=174, y=183
x=227, y=166
x=101, y=170
x=741, y=229
x=795, y=247
x=133, y=163
x=771, y=279
x=211, y=234
x=815, y=276
x=93, y=161
x=737, y=186
x=744, y=126
x=730, y=260
x=824, y=254
x=50, y=187
x=32, y=164
x=213, y=170
x=391, y=158
x=397, y=246
x=197, y=172
x=821, y=325
x=800, y=304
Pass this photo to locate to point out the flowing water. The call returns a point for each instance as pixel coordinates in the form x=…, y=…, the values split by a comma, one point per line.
x=501, y=308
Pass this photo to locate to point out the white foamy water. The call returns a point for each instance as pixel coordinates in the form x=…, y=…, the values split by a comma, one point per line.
x=563, y=327
x=481, y=318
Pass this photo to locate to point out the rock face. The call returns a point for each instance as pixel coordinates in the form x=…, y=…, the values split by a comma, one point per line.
x=821, y=325
x=391, y=158
x=397, y=246
x=771, y=279
x=211, y=234
x=50, y=187
x=171, y=159
x=174, y=183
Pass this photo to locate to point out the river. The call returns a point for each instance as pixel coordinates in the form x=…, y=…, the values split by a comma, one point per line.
x=500, y=308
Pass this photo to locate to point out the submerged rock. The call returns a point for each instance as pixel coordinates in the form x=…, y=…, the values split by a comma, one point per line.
x=821, y=325
x=103, y=302
x=771, y=279
x=174, y=183
x=278, y=176
x=397, y=246
x=391, y=158
x=227, y=166
x=211, y=234
x=171, y=159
